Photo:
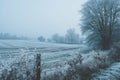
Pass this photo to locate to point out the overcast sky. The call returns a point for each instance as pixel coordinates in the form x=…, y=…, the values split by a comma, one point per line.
x=39, y=17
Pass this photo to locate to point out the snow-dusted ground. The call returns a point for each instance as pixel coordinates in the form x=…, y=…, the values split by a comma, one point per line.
x=54, y=58
x=30, y=44
x=52, y=55
x=111, y=73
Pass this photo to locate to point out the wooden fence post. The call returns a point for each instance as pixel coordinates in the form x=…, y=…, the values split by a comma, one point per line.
x=38, y=67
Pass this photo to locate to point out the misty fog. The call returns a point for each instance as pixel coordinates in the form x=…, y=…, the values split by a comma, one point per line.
x=33, y=18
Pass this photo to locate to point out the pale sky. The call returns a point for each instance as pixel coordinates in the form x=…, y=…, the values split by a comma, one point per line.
x=39, y=17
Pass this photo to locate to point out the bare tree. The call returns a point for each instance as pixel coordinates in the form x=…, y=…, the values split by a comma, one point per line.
x=101, y=22
x=57, y=38
x=72, y=37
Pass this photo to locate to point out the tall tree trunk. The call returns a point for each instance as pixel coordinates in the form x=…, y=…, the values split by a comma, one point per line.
x=105, y=43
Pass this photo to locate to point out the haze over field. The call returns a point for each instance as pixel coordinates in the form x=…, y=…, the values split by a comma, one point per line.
x=59, y=39
x=39, y=17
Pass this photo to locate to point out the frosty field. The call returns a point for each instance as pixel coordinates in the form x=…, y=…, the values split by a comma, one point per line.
x=55, y=58
x=52, y=55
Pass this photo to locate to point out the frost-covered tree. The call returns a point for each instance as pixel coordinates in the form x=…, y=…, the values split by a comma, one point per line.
x=57, y=38
x=101, y=22
x=49, y=40
x=72, y=37
x=41, y=39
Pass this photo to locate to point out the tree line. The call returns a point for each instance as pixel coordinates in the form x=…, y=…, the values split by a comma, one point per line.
x=71, y=37
x=5, y=36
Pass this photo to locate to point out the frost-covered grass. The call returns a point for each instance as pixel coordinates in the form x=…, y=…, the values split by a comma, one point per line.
x=19, y=54
x=111, y=73
x=31, y=44
x=58, y=61
x=80, y=67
